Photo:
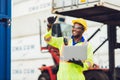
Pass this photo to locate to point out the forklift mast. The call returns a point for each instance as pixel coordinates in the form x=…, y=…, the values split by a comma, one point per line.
x=103, y=11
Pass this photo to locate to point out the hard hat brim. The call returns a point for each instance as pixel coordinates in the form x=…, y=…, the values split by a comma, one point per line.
x=80, y=21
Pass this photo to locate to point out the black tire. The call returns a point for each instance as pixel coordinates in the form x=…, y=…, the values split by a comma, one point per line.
x=44, y=76
x=95, y=75
x=117, y=73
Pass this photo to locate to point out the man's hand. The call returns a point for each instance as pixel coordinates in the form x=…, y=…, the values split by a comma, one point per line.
x=78, y=62
x=51, y=19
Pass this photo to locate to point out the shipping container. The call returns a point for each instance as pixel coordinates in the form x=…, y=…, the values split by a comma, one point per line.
x=5, y=36
x=66, y=5
x=104, y=11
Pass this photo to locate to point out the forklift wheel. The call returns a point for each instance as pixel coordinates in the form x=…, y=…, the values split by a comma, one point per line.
x=44, y=76
x=95, y=75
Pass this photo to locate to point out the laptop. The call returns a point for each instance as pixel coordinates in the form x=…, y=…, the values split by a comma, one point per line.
x=76, y=52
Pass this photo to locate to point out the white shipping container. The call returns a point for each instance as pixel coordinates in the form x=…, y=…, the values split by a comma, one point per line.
x=66, y=5
x=69, y=3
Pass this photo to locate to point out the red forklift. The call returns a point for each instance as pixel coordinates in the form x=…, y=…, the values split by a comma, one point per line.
x=49, y=72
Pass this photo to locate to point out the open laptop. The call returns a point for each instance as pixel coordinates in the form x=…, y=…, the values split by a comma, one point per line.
x=76, y=52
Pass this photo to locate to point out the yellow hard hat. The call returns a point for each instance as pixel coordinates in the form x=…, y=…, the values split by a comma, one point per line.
x=81, y=21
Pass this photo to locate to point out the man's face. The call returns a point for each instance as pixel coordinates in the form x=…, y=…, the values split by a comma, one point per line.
x=77, y=30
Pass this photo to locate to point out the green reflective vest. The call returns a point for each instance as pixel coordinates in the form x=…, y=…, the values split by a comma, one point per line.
x=67, y=70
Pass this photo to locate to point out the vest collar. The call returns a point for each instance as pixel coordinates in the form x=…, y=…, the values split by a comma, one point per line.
x=74, y=43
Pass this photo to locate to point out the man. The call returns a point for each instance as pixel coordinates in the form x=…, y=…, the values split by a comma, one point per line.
x=72, y=69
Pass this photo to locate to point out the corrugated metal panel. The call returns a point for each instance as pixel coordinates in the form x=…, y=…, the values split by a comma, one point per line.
x=5, y=35
x=28, y=69
x=70, y=3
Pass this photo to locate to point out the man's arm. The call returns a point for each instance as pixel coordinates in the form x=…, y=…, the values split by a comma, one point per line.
x=53, y=41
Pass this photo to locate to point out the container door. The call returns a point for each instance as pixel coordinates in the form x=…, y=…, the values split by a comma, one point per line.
x=5, y=35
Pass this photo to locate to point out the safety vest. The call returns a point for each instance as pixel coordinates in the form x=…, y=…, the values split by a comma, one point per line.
x=67, y=70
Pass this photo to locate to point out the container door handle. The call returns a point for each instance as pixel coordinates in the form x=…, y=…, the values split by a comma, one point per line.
x=6, y=20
